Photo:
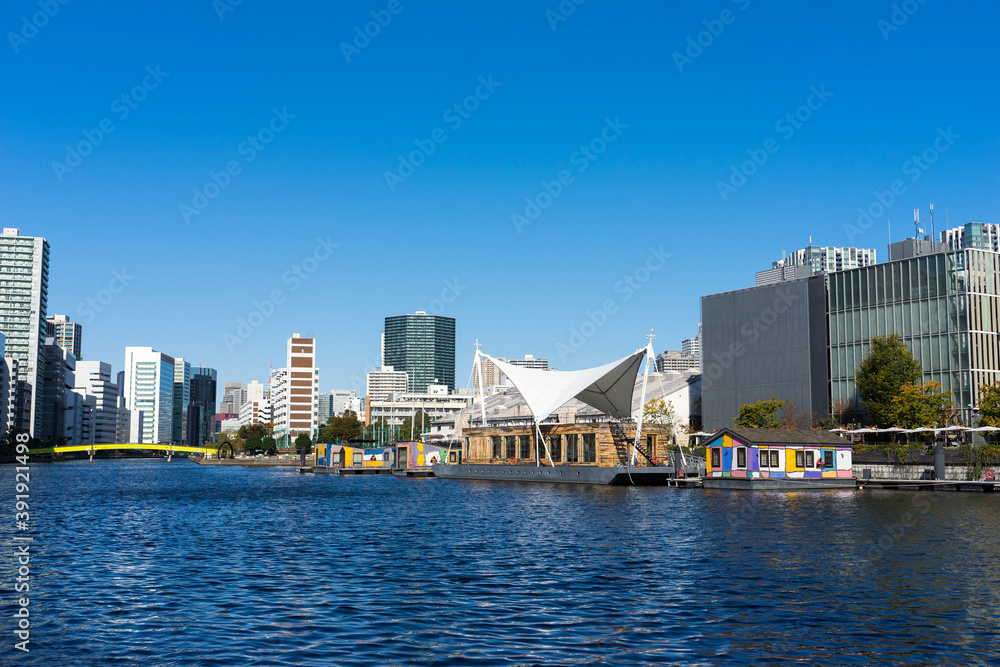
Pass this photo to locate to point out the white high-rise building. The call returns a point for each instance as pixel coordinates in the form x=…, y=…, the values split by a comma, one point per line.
x=93, y=379
x=828, y=259
x=68, y=334
x=295, y=391
x=385, y=381
x=24, y=276
x=8, y=390
x=149, y=395
x=257, y=406
x=182, y=399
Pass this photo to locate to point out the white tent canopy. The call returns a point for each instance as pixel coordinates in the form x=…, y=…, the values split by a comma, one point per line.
x=608, y=388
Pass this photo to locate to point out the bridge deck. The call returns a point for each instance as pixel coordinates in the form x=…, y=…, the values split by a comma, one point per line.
x=88, y=448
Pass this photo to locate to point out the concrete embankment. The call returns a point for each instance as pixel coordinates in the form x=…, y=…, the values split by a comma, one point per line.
x=261, y=462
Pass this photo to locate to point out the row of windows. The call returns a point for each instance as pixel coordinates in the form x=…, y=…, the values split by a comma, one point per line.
x=519, y=447
x=935, y=353
x=896, y=282
x=908, y=319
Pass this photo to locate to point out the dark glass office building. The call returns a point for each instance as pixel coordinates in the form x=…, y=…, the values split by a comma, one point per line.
x=423, y=346
x=201, y=409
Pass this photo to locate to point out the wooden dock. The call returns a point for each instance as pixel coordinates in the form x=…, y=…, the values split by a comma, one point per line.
x=323, y=470
x=929, y=485
x=412, y=472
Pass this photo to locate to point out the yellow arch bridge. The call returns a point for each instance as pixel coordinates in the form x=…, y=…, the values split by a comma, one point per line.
x=90, y=449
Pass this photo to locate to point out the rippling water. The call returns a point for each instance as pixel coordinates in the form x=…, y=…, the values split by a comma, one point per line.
x=155, y=563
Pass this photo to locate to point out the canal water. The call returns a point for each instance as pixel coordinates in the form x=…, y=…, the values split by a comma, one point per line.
x=153, y=563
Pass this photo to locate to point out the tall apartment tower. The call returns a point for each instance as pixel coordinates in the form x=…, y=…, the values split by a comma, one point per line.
x=8, y=390
x=182, y=400
x=256, y=409
x=385, y=381
x=201, y=411
x=93, y=379
x=149, y=395
x=24, y=273
x=295, y=390
x=68, y=334
x=423, y=346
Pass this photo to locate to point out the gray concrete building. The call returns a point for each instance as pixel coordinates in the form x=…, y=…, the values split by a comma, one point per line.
x=763, y=342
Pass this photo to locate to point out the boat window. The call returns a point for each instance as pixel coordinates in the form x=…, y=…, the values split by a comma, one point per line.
x=510, y=442
x=555, y=448
x=525, y=447
x=799, y=460
x=810, y=459
x=572, y=448
x=741, y=457
x=452, y=457
x=496, y=446
x=828, y=459
x=775, y=463
x=716, y=457
x=589, y=448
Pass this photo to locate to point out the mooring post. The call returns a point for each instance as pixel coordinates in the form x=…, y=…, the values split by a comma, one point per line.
x=170, y=455
x=91, y=454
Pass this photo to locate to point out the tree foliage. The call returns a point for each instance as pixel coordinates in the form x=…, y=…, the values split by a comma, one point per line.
x=761, y=414
x=921, y=405
x=342, y=429
x=989, y=405
x=303, y=443
x=888, y=366
x=270, y=446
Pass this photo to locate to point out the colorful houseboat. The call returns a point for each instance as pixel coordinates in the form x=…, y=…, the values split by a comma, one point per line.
x=769, y=458
x=345, y=456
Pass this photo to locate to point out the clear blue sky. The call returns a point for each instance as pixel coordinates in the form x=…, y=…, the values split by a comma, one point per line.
x=519, y=290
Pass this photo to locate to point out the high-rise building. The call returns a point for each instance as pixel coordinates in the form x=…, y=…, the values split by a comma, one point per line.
x=58, y=411
x=93, y=379
x=149, y=395
x=423, y=346
x=491, y=374
x=232, y=398
x=828, y=259
x=385, y=381
x=201, y=411
x=692, y=345
x=24, y=274
x=530, y=362
x=294, y=391
x=324, y=406
x=182, y=400
x=974, y=235
x=342, y=399
x=8, y=390
x=256, y=409
x=676, y=360
x=68, y=334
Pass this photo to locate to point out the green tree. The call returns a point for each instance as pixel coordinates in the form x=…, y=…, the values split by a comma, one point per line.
x=921, y=405
x=342, y=429
x=761, y=414
x=254, y=444
x=233, y=438
x=269, y=445
x=303, y=443
x=412, y=427
x=989, y=405
x=888, y=366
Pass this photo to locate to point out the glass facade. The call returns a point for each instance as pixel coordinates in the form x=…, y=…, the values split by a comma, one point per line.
x=928, y=301
x=423, y=346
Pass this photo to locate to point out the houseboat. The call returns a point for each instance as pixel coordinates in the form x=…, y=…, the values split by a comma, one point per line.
x=577, y=427
x=768, y=458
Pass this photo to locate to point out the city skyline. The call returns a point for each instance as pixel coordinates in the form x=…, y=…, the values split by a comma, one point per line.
x=680, y=114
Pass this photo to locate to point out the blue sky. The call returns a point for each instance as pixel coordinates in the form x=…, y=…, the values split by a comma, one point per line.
x=330, y=122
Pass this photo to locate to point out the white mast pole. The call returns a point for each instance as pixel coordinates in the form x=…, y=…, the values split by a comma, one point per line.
x=479, y=374
x=642, y=397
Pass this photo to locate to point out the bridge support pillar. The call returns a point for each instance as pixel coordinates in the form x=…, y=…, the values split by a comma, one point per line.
x=170, y=456
x=91, y=455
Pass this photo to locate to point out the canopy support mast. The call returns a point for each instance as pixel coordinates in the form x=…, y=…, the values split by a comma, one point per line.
x=642, y=398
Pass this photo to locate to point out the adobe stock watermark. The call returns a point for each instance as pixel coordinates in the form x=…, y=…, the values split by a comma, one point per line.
x=750, y=331
x=900, y=14
x=562, y=13
x=786, y=127
x=88, y=309
x=381, y=18
x=454, y=116
x=122, y=107
x=696, y=44
x=627, y=287
x=914, y=168
x=449, y=295
x=223, y=7
x=294, y=277
x=581, y=158
x=31, y=25
x=248, y=149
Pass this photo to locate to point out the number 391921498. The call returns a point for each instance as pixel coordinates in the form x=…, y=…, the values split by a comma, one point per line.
x=21, y=480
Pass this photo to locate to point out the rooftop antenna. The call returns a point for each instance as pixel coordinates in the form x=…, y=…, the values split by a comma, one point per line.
x=932, y=222
x=890, y=238
x=916, y=223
